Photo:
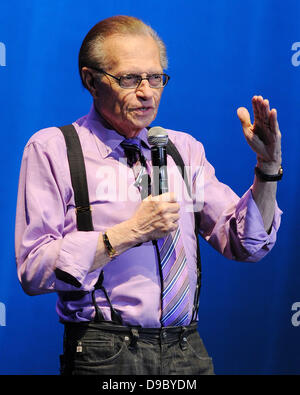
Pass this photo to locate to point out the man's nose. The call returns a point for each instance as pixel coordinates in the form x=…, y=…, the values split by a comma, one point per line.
x=144, y=90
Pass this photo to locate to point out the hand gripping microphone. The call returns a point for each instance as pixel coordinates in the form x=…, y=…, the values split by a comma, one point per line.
x=158, y=139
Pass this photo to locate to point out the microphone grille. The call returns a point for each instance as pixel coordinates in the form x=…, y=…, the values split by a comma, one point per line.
x=157, y=136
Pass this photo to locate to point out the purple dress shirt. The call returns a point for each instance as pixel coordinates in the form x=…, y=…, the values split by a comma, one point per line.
x=46, y=236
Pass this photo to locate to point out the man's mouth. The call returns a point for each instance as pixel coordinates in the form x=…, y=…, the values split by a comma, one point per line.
x=143, y=110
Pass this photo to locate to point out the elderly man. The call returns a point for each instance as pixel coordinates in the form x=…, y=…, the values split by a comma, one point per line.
x=127, y=281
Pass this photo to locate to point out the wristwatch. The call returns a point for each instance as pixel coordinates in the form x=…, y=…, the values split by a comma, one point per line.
x=109, y=248
x=268, y=177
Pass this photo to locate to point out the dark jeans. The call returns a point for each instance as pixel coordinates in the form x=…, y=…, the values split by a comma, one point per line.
x=107, y=349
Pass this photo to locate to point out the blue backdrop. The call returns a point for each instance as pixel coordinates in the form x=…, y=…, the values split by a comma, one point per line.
x=221, y=53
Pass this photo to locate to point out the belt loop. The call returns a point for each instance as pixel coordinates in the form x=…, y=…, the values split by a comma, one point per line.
x=134, y=337
x=183, y=339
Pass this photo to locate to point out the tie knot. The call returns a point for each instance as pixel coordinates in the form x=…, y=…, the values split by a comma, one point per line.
x=132, y=144
x=132, y=149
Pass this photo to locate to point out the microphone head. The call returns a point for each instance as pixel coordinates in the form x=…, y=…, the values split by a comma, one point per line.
x=157, y=136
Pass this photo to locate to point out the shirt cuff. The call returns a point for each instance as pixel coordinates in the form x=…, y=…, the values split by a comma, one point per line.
x=250, y=227
x=76, y=257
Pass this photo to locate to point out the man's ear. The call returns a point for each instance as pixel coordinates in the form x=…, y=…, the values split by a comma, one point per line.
x=89, y=81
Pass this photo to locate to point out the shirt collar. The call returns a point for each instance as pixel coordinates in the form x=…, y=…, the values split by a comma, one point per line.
x=110, y=138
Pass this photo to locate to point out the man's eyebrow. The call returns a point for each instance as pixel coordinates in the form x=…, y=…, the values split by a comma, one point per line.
x=126, y=72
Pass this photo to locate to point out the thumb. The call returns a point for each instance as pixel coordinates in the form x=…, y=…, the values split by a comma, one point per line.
x=244, y=117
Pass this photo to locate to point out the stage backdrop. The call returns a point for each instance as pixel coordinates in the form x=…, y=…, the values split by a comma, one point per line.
x=221, y=53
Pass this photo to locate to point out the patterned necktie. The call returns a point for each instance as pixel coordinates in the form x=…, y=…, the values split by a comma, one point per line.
x=175, y=295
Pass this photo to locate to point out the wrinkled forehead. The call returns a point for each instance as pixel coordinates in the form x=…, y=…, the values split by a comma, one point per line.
x=138, y=52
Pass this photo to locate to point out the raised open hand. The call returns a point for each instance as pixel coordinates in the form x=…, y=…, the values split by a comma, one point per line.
x=263, y=136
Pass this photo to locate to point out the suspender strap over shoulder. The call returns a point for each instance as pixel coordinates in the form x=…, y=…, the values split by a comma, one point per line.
x=173, y=152
x=79, y=184
x=78, y=178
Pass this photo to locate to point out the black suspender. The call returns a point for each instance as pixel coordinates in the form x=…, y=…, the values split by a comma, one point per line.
x=79, y=184
x=84, y=217
x=78, y=178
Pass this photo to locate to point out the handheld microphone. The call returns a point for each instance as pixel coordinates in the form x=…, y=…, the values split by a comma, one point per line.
x=158, y=139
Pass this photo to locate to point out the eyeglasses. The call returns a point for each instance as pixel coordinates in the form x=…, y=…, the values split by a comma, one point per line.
x=132, y=81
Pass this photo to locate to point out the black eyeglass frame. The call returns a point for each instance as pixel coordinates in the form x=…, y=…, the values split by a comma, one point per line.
x=167, y=78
